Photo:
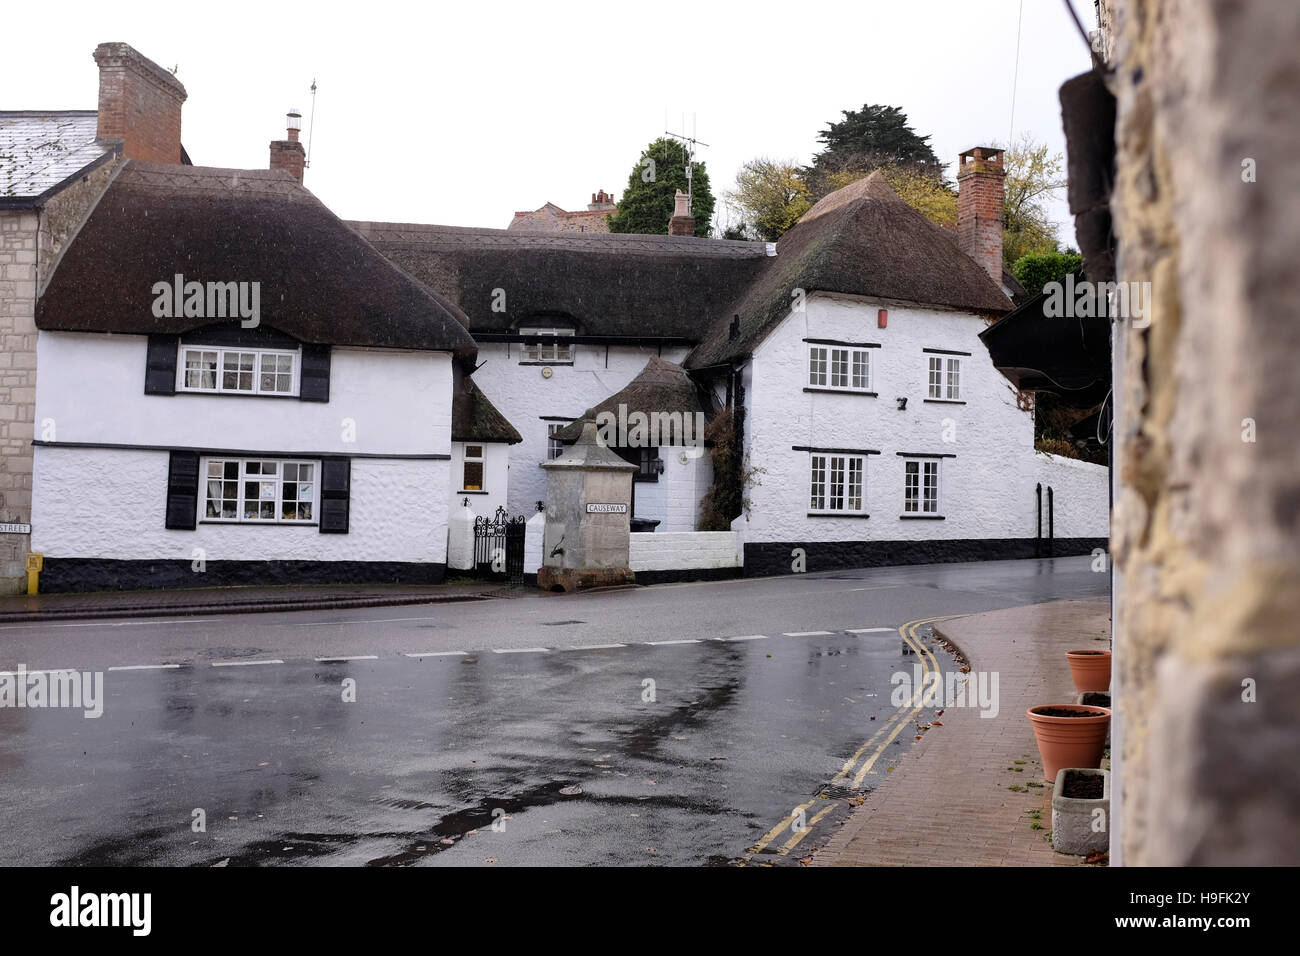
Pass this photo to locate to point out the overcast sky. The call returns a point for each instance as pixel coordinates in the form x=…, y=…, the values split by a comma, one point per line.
x=463, y=113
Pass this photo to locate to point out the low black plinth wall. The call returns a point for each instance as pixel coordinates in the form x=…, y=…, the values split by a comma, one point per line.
x=769, y=558
x=62, y=575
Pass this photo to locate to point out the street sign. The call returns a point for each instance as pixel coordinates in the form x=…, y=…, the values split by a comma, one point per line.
x=597, y=508
x=10, y=527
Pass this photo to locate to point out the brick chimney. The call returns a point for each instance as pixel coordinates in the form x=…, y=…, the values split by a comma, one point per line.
x=139, y=104
x=682, y=223
x=980, y=175
x=601, y=200
x=288, y=154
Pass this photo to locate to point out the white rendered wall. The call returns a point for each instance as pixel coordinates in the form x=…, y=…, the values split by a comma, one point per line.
x=91, y=386
x=496, y=476
x=100, y=503
x=523, y=396
x=685, y=551
x=986, y=491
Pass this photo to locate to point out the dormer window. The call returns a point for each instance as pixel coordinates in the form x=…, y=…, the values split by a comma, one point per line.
x=238, y=370
x=547, y=350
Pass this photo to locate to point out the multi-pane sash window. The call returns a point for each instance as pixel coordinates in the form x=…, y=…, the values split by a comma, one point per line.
x=836, y=483
x=831, y=367
x=921, y=487
x=246, y=371
x=553, y=351
x=259, y=490
x=945, y=378
x=554, y=447
x=473, y=468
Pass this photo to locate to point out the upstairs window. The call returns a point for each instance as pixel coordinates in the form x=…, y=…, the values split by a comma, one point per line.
x=552, y=351
x=945, y=378
x=833, y=367
x=241, y=371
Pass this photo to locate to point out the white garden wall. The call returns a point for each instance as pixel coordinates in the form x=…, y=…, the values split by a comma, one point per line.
x=686, y=551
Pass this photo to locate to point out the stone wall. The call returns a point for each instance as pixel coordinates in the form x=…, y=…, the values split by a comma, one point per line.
x=1206, y=533
x=18, y=231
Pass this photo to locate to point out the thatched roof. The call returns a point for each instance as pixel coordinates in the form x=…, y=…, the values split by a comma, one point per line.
x=659, y=387
x=474, y=418
x=859, y=240
x=610, y=285
x=319, y=281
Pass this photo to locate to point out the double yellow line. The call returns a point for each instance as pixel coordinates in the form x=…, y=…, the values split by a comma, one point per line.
x=889, y=731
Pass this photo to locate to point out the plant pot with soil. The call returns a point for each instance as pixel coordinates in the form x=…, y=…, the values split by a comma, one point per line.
x=1090, y=670
x=1081, y=811
x=1069, y=735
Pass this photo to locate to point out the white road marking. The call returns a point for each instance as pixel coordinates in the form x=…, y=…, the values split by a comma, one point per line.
x=180, y=620
x=747, y=637
x=689, y=640
x=870, y=630
x=440, y=654
x=806, y=634
x=146, y=667
x=594, y=647
x=520, y=650
x=354, y=657
x=244, y=663
x=376, y=620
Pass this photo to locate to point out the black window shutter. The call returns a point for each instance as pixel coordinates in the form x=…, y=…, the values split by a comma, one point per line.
x=314, y=377
x=335, y=490
x=160, y=365
x=183, y=490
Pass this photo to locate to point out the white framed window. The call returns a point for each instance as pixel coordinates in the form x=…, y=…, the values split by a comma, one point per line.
x=243, y=371
x=554, y=351
x=259, y=490
x=834, y=367
x=554, y=447
x=473, y=469
x=945, y=378
x=921, y=486
x=837, y=483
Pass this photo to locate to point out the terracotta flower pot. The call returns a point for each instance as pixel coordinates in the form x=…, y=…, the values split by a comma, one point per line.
x=1090, y=670
x=1065, y=741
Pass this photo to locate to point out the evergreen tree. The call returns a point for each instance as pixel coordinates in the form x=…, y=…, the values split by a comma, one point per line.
x=647, y=203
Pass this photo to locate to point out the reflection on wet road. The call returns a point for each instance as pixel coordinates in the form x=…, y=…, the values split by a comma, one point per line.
x=680, y=753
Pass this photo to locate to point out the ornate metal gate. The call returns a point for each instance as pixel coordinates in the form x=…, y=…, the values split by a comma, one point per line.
x=499, y=546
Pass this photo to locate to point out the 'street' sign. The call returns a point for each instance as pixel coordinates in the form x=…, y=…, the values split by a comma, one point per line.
x=9, y=527
x=598, y=508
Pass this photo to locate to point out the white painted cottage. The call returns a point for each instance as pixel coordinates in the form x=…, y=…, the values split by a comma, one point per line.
x=293, y=426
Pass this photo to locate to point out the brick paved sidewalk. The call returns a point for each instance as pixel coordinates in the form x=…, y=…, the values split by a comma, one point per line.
x=195, y=601
x=948, y=802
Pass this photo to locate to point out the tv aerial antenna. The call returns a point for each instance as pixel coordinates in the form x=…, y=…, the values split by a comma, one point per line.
x=312, y=129
x=690, y=144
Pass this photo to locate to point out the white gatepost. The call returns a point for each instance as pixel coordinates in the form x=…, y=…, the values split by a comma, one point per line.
x=534, y=531
x=460, y=538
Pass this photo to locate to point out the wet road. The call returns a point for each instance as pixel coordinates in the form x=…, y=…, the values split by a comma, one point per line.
x=540, y=730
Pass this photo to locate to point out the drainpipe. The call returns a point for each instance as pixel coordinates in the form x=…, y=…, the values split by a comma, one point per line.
x=1051, y=525
x=1038, y=532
